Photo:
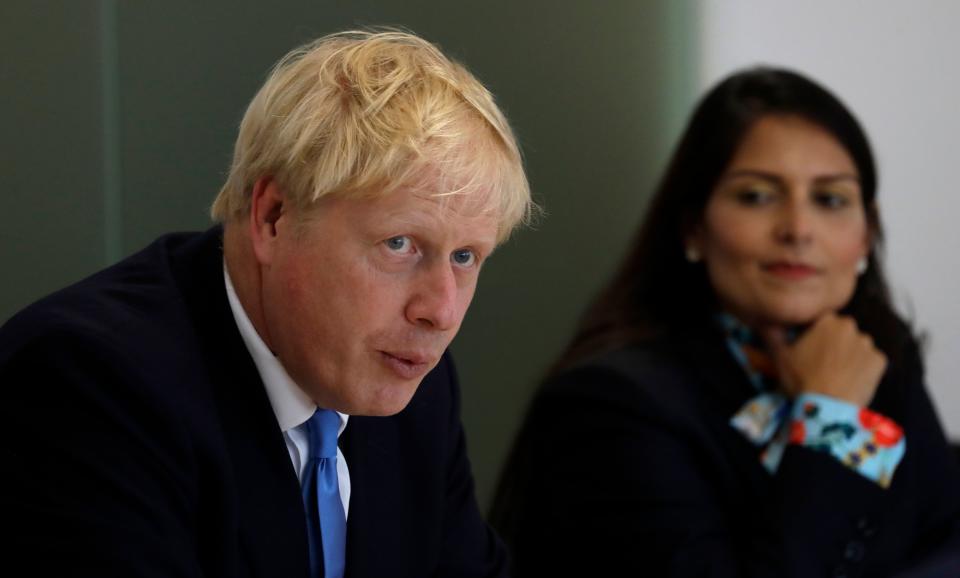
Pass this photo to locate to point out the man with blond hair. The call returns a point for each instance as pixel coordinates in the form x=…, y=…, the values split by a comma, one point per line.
x=273, y=397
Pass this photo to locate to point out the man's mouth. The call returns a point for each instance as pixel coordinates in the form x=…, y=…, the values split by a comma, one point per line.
x=408, y=364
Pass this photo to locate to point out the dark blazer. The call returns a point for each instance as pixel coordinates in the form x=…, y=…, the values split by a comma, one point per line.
x=137, y=440
x=627, y=465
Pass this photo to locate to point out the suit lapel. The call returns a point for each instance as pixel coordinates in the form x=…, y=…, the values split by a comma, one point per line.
x=272, y=529
x=397, y=487
x=376, y=498
x=725, y=388
x=724, y=383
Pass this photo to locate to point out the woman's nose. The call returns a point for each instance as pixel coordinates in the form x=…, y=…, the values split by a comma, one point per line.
x=794, y=224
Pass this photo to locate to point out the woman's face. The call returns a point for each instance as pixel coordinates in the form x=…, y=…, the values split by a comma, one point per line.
x=785, y=225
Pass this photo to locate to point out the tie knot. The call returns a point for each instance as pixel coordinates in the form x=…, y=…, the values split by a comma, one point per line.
x=322, y=430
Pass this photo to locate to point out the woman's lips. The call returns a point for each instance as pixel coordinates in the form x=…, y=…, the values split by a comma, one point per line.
x=790, y=271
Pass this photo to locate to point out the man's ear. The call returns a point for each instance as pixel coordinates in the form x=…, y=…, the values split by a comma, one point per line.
x=266, y=209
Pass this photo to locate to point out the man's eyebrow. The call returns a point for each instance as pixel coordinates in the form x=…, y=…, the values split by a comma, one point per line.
x=405, y=217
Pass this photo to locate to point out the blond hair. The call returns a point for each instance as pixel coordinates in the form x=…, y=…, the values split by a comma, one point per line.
x=364, y=112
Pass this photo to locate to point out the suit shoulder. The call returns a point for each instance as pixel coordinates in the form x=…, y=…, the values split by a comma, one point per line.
x=126, y=326
x=641, y=381
x=642, y=370
x=134, y=298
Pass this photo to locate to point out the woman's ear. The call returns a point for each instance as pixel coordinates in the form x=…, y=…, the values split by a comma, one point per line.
x=693, y=243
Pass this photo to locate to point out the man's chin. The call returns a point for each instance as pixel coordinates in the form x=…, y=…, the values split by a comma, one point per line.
x=387, y=401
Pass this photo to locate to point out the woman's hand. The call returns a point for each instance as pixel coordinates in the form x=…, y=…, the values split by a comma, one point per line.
x=833, y=357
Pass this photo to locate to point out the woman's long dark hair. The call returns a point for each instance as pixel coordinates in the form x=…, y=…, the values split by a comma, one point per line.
x=656, y=292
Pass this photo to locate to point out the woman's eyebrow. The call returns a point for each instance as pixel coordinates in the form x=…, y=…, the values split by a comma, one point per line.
x=751, y=173
x=776, y=178
x=837, y=177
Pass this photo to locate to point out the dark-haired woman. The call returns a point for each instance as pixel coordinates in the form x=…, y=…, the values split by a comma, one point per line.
x=742, y=399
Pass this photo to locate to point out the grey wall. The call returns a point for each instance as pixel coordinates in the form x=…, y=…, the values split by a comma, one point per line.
x=118, y=120
x=51, y=164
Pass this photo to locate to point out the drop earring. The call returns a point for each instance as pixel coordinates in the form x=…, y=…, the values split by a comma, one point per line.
x=692, y=255
x=861, y=265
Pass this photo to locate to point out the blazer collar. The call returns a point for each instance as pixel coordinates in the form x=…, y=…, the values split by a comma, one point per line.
x=268, y=499
x=704, y=351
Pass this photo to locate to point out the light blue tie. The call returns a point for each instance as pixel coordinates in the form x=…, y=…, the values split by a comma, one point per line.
x=326, y=522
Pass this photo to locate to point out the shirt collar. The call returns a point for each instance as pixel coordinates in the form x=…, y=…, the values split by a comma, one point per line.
x=291, y=405
x=749, y=351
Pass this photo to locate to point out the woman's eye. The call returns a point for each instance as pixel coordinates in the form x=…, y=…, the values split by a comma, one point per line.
x=464, y=257
x=829, y=200
x=753, y=197
x=399, y=244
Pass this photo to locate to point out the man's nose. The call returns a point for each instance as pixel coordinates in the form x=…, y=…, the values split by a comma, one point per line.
x=434, y=302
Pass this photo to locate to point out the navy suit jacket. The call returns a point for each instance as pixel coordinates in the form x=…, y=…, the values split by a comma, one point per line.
x=628, y=465
x=137, y=440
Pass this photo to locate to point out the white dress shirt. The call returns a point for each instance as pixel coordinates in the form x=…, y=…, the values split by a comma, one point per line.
x=291, y=405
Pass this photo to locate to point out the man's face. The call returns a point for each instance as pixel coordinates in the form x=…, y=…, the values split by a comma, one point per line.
x=361, y=300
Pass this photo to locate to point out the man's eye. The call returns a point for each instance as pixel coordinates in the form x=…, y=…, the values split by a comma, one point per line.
x=463, y=257
x=399, y=244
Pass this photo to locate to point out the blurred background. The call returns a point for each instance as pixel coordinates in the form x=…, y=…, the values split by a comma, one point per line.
x=118, y=119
